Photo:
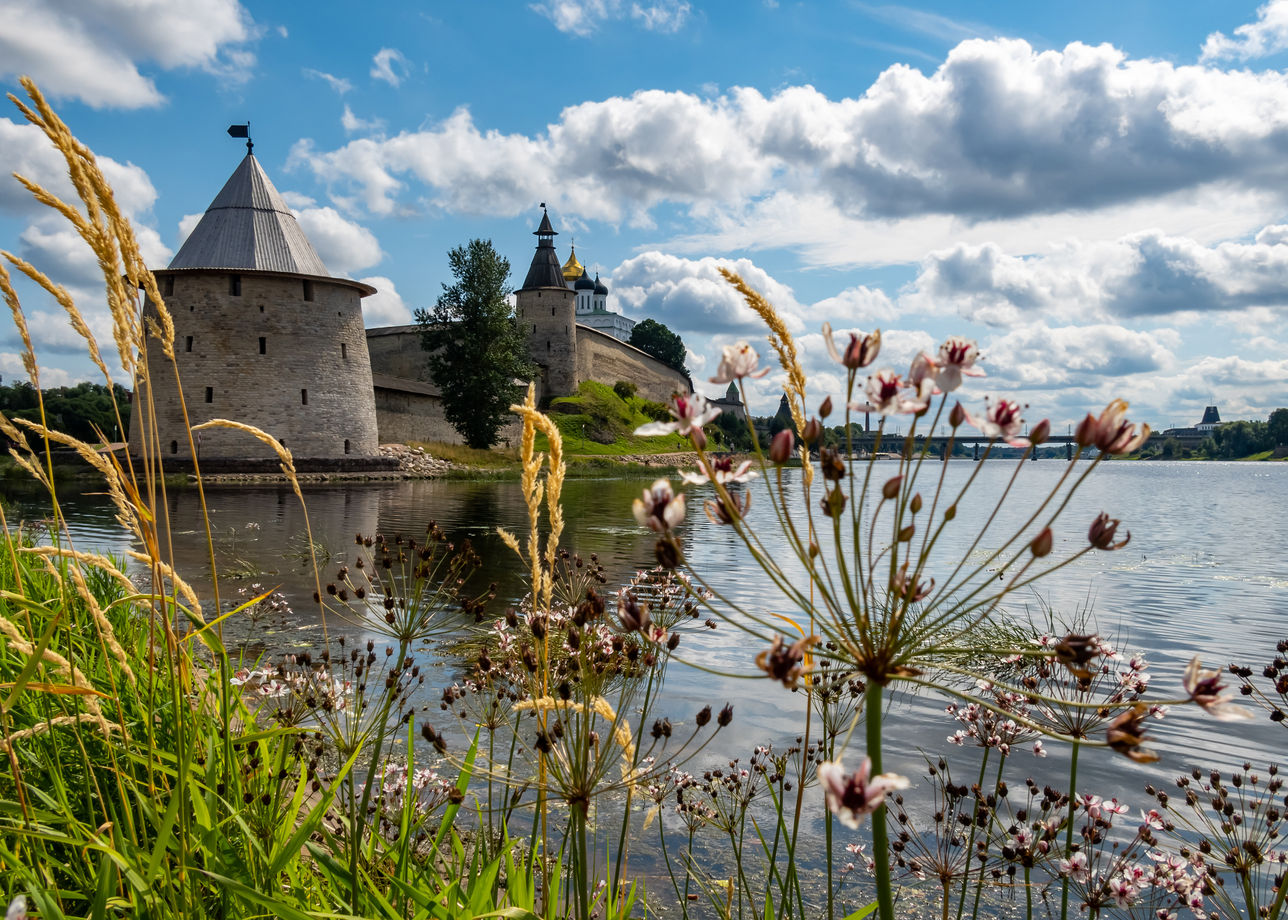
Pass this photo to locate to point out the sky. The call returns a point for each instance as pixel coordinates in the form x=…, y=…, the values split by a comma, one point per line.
x=1096, y=192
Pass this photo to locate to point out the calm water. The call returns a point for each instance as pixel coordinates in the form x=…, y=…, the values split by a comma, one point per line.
x=1204, y=574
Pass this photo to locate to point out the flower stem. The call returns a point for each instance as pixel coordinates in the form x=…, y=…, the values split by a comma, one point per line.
x=1068, y=831
x=880, y=838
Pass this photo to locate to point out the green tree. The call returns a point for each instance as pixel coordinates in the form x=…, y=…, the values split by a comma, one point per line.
x=1278, y=427
x=651, y=337
x=476, y=349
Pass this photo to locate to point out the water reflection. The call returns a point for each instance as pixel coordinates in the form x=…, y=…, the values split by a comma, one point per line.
x=1203, y=574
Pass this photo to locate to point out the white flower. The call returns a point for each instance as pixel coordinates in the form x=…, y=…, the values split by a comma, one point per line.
x=660, y=508
x=691, y=413
x=852, y=796
x=738, y=361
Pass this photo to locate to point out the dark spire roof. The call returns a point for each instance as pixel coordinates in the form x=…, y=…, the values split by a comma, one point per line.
x=545, y=270
x=249, y=226
x=1210, y=416
x=584, y=283
x=600, y=287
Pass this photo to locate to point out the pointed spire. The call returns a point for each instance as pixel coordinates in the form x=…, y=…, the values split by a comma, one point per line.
x=249, y=226
x=545, y=271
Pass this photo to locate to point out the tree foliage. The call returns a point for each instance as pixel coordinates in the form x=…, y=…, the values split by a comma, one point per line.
x=82, y=411
x=475, y=345
x=653, y=338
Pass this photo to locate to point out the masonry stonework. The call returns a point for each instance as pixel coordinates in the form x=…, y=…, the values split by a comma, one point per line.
x=296, y=368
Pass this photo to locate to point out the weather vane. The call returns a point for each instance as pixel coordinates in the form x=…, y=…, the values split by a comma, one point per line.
x=242, y=131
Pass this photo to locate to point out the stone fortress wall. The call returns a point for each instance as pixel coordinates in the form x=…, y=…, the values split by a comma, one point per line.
x=605, y=359
x=283, y=352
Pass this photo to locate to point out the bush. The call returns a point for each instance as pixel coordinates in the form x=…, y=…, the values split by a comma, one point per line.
x=625, y=389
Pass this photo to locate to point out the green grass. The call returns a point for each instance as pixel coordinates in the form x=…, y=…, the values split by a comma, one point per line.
x=599, y=423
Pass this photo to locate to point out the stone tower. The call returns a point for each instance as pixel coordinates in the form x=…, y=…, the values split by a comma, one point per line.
x=545, y=308
x=263, y=335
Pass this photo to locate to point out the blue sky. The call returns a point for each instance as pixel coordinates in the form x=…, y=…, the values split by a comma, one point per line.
x=1096, y=192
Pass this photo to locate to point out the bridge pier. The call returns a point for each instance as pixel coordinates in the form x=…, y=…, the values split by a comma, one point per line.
x=977, y=451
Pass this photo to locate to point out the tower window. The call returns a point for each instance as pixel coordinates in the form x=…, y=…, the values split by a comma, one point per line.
x=234, y=285
x=304, y=397
x=210, y=394
x=552, y=311
x=167, y=286
x=547, y=344
x=263, y=345
x=187, y=343
x=261, y=308
x=174, y=447
x=344, y=351
x=308, y=290
x=346, y=445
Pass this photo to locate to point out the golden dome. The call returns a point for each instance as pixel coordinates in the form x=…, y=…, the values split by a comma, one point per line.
x=572, y=269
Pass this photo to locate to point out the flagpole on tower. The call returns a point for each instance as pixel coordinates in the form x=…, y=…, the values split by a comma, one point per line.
x=242, y=131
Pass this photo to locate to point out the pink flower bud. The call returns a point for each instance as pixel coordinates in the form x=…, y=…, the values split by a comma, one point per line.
x=699, y=438
x=826, y=408
x=1085, y=434
x=1042, y=543
x=812, y=431
x=915, y=504
x=1041, y=432
x=891, y=489
x=781, y=447
x=956, y=415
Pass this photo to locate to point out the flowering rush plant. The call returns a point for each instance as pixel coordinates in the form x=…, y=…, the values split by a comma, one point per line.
x=876, y=594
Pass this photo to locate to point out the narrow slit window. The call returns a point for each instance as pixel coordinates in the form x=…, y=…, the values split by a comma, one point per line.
x=168, y=287
x=174, y=447
x=547, y=344
x=552, y=311
x=304, y=397
x=210, y=394
x=263, y=345
x=346, y=445
x=261, y=308
x=234, y=285
x=344, y=350
x=187, y=343
x=308, y=290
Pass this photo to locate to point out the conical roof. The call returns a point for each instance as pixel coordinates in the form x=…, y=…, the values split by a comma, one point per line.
x=249, y=226
x=545, y=270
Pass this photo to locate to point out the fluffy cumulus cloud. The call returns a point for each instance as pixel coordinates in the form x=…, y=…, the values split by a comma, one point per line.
x=1000, y=131
x=26, y=151
x=93, y=51
x=691, y=296
x=1267, y=35
x=385, y=307
x=390, y=66
x=1042, y=357
x=344, y=246
x=584, y=17
x=1148, y=274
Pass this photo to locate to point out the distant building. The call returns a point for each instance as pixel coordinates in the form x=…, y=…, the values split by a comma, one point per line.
x=1194, y=435
x=731, y=403
x=264, y=334
x=592, y=301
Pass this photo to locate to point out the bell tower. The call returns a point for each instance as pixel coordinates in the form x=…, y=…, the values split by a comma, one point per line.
x=545, y=307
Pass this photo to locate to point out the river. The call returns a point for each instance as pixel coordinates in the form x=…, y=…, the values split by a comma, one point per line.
x=1204, y=573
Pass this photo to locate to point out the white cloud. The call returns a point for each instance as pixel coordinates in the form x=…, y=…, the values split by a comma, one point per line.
x=12, y=368
x=390, y=65
x=25, y=150
x=690, y=296
x=1041, y=357
x=353, y=124
x=1268, y=35
x=385, y=307
x=583, y=17
x=344, y=246
x=1140, y=275
x=664, y=16
x=1000, y=135
x=188, y=223
x=92, y=52
x=339, y=84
